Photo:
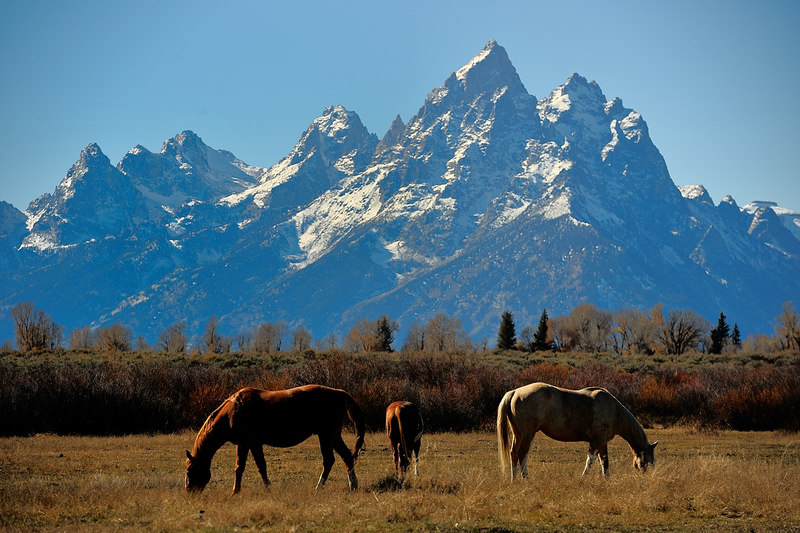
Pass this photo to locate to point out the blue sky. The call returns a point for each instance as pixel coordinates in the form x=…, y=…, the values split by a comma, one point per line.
x=718, y=82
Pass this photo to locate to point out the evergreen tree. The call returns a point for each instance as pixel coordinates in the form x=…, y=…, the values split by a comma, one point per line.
x=506, y=337
x=719, y=335
x=384, y=334
x=540, y=337
x=736, y=337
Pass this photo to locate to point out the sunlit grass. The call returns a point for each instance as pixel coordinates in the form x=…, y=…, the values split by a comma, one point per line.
x=702, y=481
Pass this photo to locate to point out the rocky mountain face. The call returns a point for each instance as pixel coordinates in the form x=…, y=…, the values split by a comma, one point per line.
x=487, y=199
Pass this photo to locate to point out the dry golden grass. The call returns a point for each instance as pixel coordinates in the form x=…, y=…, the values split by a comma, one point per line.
x=722, y=481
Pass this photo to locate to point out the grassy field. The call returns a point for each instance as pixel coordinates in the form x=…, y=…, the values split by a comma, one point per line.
x=703, y=481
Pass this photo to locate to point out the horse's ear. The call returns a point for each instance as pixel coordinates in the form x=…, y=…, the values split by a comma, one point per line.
x=189, y=455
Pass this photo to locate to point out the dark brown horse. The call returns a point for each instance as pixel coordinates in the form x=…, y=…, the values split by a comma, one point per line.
x=593, y=415
x=404, y=428
x=251, y=418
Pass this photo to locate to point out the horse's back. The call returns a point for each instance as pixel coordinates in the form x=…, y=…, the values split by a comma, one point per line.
x=287, y=417
x=403, y=414
x=562, y=414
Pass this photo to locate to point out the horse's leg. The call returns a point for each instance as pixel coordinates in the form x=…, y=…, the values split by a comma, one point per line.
x=525, y=451
x=519, y=454
x=514, y=455
x=602, y=453
x=349, y=461
x=405, y=460
x=396, y=458
x=416, y=456
x=327, y=459
x=589, y=460
x=261, y=464
x=241, y=459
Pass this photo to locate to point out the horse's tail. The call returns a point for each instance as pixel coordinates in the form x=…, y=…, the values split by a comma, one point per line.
x=504, y=430
x=418, y=436
x=357, y=416
x=403, y=437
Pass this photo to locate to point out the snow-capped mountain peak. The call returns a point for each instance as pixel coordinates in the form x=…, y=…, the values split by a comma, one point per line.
x=488, y=70
x=790, y=219
x=697, y=193
x=186, y=169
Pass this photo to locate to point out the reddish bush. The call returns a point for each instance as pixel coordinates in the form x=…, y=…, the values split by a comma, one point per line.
x=103, y=397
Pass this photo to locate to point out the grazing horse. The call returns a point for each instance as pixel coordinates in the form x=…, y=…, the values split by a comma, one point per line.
x=592, y=415
x=251, y=418
x=404, y=428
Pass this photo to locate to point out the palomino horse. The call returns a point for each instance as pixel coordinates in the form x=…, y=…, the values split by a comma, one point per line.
x=251, y=418
x=404, y=428
x=592, y=415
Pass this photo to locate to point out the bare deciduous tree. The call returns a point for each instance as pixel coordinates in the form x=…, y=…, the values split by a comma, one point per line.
x=787, y=328
x=116, y=338
x=361, y=337
x=141, y=344
x=415, y=339
x=268, y=337
x=327, y=343
x=445, y=334
x=243, y=341
x=591, y=328
x=82, y=338
x=33, y=329
x=635, y=331
x=563, y=336
x=681, y=330
x=212, y=341
x=301, y=339
x=526, y=337
x=371, y=335
x=173, y=339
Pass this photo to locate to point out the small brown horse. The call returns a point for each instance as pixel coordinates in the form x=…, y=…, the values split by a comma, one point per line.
x=404, y=428
x=251, y=418
x=593, y=415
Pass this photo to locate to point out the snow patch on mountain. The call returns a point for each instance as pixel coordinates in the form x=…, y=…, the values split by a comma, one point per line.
x=326, y=220
x=697, y=193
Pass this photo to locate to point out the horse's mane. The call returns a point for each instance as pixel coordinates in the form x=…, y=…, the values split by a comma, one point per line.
x=206, y=441
x=630, y=429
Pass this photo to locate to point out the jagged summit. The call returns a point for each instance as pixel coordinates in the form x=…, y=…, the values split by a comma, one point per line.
x=185, y=169
x=91, y=159
x=728, y=199
x=393, y=135
x=487, y=76
x=186, y=143
x=578, y=101
x=489, y=70
x=697, y=193
x=91, y=156
x=336, y=122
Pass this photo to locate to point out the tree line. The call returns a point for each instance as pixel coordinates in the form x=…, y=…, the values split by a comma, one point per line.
x=586, y=328
x=635, y=331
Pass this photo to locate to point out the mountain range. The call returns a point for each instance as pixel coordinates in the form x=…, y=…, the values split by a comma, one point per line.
x=488, y=199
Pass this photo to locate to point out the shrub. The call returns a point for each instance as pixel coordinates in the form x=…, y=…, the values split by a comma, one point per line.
x=83, y=393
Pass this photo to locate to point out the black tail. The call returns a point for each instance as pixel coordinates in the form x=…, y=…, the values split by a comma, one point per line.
x=355, y=414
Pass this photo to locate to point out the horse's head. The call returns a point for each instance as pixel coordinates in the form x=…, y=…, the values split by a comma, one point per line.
x=198, y=474
x=645, y=458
